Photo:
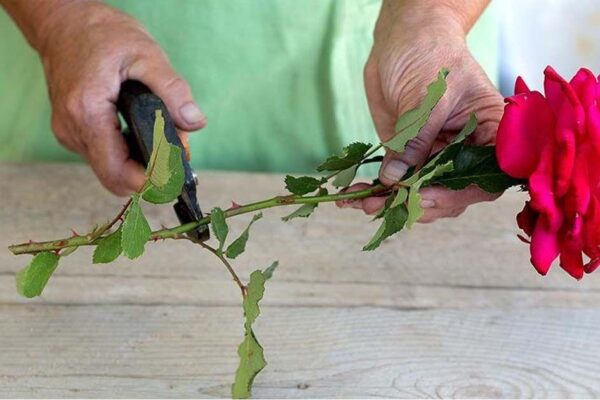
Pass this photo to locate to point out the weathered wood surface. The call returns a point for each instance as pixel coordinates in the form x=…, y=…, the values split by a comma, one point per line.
x=451, y=309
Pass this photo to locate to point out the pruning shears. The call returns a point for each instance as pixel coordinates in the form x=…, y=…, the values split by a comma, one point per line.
x=138, y=105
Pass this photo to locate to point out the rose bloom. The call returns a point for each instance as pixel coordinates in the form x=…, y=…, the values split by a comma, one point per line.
x=553, y=141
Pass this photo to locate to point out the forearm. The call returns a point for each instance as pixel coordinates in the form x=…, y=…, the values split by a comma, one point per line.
x=36, y=18
x=457, y=16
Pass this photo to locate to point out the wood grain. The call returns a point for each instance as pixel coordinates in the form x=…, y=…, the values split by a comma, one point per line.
x=451, y=309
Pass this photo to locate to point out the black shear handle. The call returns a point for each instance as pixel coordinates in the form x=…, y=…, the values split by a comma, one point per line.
x=138, y=105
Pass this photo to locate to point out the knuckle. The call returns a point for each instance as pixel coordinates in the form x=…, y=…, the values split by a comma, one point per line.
x=417, y=145
x=82, y=104
x=444, y=197
x=152, y=51
x=178, y=86
x=88, y=101
x=72, y=104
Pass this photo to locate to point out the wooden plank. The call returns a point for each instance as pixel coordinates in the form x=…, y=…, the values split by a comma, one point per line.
x=451, y=309
x=195, y=290
x=478, y=249
x=136, y=351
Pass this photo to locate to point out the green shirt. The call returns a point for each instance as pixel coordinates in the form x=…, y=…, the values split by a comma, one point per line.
x=280, y=81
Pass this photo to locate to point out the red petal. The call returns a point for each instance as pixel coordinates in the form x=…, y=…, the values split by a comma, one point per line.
x=584, y=84
x=563, y=101
x=571, y=259
x=558, y=90
x=526, y=219
x=591, y=230
x=544, y=247
x=578, y=198
x=521, y=86
x=523, y=239
x=572, y=262
x=526, y=125
x=541, y=190
x=591, y=265
x=565, y=159
x=593, y=127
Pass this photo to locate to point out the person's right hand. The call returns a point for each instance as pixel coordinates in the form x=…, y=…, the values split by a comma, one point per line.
x=88, y=50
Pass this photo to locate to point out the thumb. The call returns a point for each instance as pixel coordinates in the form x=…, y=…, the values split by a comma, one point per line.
x=416, y=151
x=157, y=73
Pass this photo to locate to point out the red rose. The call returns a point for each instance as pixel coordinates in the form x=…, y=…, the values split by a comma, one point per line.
x=554, y=142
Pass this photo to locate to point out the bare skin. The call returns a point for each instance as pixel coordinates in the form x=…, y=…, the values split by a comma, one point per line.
x=414, y=39
x=88, y=49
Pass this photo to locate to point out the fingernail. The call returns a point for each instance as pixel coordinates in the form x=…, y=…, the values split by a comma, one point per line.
x=427, y=203
x=191, y=113
x=395, y=169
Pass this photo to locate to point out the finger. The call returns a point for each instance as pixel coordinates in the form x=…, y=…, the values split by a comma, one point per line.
x=444, y=198
x=65, y=134
x=373, y=205
x=158, y=74
x=490, y=107
x=433, y=214
x=416, y=151
x=369, y=205
x=349, y=203
x=485, y=134
x=108, y=156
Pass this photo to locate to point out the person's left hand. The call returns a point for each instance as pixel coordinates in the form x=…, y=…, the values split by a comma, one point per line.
x=404, y=60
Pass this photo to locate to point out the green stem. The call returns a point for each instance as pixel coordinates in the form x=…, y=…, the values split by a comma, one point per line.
x=173, y=233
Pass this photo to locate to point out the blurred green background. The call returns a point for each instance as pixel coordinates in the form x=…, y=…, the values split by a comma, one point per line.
x=280, y=81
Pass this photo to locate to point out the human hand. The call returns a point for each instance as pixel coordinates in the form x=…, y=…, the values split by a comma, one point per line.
x=88, y=50
x=405, y=58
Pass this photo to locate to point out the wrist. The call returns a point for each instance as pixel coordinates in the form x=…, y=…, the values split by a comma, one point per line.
x=41, y=21
x=70, y=21
x=452, y=18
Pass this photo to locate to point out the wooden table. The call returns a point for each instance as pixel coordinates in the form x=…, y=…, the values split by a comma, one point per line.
x=451, y=309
